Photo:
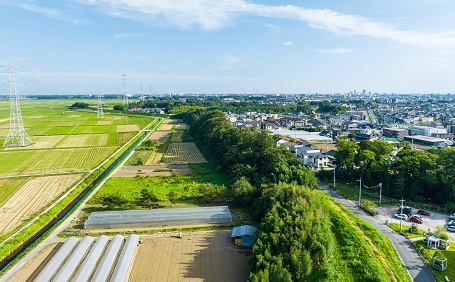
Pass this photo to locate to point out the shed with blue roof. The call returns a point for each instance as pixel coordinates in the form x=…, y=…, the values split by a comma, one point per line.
x=244, y=235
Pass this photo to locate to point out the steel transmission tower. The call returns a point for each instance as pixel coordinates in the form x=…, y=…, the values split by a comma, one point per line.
x=100, y=113
x=17, y=135
x=125, y=91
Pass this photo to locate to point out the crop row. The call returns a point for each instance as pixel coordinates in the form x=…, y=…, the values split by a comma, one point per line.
x=61, y=160
x=31, y=197
x=183, y=153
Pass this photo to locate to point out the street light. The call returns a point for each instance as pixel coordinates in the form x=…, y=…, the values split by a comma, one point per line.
x=380, y=193
x=360, y=190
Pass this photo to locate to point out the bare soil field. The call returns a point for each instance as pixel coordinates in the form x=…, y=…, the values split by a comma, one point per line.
x=34, y=195
x=153, y=170
x=165, y=126
x=161, y=136
x=198, y=256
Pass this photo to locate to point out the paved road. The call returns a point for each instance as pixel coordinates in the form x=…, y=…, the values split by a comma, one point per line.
x=411, y=260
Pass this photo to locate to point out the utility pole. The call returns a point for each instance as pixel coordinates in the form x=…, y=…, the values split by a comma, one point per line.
x=360, y=190
x=401, y=212
x=334, y=175
x=380, y=193
x=17, y=135
x=142, y=93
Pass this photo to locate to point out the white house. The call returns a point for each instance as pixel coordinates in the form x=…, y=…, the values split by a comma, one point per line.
x=313, y=157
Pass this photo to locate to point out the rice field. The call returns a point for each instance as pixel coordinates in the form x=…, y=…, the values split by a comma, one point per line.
x=31, y=197
x=65, y=143
x=84, y=140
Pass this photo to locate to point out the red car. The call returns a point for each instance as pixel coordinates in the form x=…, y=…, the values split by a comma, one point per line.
x=416, y=219
x=423, y=212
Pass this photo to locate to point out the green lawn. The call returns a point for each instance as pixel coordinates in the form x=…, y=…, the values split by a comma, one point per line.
x=449, y=254
x=406, y=230
x=186, y=187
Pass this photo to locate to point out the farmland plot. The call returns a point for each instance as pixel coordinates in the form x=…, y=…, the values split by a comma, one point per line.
x=104, y=122
x=183, y=153
x=42, y=142
x=15, y=162
x=9, y=187
x=177, y=136
x=200, y=256
x=64, y=160
x=161, y=136
x=165, y=127
x=31, y=197
x=84, y=140
x=127, y=128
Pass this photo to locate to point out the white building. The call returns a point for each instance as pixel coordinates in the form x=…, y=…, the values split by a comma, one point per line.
x=425, y=130
x=313, y=158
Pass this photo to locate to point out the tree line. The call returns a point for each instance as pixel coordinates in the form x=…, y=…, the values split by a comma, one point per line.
x=427, y=176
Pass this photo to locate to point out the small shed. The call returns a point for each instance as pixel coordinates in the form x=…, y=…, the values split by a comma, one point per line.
x=244, y=235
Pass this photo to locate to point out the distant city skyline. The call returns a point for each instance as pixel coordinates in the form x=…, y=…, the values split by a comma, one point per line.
x=229, y=46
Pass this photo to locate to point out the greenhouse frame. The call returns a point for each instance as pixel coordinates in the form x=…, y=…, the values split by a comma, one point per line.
x=158, y=217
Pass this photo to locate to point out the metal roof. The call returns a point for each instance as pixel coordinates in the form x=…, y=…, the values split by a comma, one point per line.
x=159, y=216
x=53, y=265
x=108, y=260
x=126, y=257
x=244, y=230
x=67, y=270
x=90, y=261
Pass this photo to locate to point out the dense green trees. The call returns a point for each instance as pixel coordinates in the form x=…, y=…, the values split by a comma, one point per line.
x=412, y=174
x=80, y=105
x=303, y=235
x=247, y=152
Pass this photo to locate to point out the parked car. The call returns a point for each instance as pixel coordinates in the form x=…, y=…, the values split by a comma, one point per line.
x=406, y=210
x=416, y=219
x=450, y=228
x=400, y=215
x=452, y=216
x=424, y=212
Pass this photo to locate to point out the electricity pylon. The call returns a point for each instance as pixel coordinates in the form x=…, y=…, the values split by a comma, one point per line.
x=125, y=92
x=100, y=113
x=17, y=135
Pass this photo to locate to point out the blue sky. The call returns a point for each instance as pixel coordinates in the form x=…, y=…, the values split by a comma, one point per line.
x=234, y=46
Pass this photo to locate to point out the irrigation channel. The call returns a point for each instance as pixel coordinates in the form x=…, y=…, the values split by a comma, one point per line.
x=69, y=208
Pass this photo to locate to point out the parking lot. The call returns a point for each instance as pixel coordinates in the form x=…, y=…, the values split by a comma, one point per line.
x=386, y=214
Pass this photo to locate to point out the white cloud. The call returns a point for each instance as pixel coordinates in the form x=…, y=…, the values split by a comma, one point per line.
x=288, y=43
x=127, y=35
x=335, y=51
x=272, y=28
x=210, y=15
x=52, y=13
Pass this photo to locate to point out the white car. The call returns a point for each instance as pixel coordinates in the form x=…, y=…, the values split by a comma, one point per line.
x=450, y=228
x=400, y=215
x=452, y=216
